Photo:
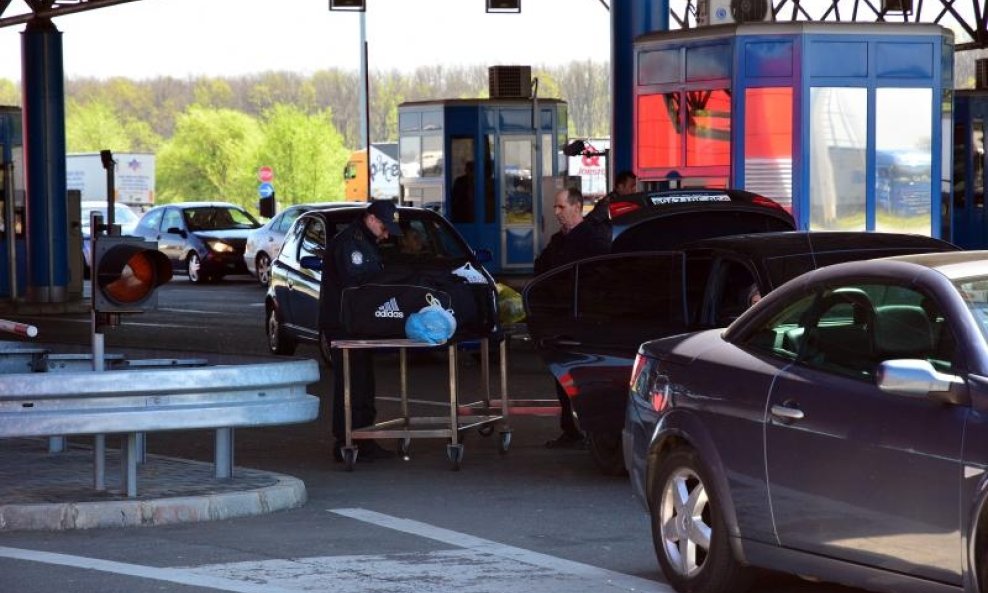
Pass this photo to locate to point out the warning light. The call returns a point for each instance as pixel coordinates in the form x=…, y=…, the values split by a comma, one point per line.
x=126, y=272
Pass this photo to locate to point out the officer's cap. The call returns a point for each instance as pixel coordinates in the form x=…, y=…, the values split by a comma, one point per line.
x=386, y=212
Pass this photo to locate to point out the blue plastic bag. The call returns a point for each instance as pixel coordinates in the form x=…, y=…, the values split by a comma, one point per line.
x=431, y=323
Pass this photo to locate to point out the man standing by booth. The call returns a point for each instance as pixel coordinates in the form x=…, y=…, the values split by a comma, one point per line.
x=352, y=258
x=575, y=240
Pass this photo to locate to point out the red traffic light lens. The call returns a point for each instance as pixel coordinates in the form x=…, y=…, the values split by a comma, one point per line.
x=128, y=274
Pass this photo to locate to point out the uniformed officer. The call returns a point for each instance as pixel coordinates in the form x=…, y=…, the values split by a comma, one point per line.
x=352, y=258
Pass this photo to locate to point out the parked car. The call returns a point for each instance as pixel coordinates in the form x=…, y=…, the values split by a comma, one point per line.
x=428, y=251
x=588, y=318
x=264, y=243
x=203, y=239
x=122, y=215
x=836, y=429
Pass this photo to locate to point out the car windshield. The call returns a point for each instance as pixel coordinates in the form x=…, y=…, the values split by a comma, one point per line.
x=423, y=238
x=975, y=293
x=216, y=218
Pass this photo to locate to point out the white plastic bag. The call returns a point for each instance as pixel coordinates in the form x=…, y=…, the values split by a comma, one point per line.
x=470, y=274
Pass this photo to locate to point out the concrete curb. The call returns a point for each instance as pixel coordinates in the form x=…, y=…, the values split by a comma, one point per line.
x=287, y=493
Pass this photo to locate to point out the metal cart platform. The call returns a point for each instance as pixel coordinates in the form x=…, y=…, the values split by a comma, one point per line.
x=407, y=426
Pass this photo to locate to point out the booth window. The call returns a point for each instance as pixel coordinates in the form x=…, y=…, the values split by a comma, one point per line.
x=432, y=156
x=708, y=117
x=838, y=138
x=903, y=160
x=659, y=67
x=768, y=143
x=490, y=199
x=410, y=155
x=960, y=167
x=978, y=171
x=659, y=133
x=464, y=173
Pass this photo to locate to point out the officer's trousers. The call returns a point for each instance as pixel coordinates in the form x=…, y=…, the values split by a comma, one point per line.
x=361, y=390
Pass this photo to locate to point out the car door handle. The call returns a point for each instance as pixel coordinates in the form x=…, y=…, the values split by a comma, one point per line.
x=787, y=412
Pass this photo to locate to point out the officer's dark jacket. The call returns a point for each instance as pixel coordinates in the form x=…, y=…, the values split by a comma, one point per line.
x=352, y=258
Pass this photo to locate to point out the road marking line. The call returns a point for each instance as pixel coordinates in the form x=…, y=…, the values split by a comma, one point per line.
x=170, y=575
x=463, y=540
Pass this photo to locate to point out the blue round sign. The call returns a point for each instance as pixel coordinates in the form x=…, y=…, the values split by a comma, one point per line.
x=265, y=190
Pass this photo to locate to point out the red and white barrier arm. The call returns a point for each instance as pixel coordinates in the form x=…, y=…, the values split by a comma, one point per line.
x=20, y=329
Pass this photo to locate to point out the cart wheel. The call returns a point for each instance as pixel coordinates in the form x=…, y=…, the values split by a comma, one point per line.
x=404, y=445
x=502, y=447
x=486, y=430
x=349, y=457
x=455, y=454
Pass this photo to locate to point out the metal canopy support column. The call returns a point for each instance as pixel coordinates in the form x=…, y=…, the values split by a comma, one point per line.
x=44, y=155
x=629, y=19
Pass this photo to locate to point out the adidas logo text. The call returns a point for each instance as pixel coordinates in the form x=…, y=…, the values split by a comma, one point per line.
x=389, y=309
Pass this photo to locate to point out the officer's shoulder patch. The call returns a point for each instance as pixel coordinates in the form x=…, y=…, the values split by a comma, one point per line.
x=356, y=257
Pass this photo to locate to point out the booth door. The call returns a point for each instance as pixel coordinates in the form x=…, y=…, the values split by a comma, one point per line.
x=517, y=202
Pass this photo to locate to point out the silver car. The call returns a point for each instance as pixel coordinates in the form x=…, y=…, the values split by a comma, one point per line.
x=264, y=244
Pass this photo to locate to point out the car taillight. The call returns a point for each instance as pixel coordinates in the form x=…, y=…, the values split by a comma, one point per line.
x=649, y=384
x=767, y=202
x=618, y=208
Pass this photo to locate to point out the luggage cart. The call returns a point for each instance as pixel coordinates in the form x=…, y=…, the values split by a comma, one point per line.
x=407, y=427
x=505, y=404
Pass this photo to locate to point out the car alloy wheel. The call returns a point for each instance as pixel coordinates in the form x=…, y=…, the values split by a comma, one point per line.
x=195, y=269
x=263, y=268
x=278, y=342
x=688, y=529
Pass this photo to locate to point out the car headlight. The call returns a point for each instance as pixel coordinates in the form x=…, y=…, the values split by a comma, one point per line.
x=219, y=246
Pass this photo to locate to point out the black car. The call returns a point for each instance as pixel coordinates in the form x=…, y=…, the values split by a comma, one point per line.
x=836, y=430
x=588, y=318
x=429, y=252
x=204, y=239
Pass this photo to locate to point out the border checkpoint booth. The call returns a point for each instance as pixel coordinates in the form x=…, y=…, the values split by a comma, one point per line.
x=485, y=166
x=847, y=125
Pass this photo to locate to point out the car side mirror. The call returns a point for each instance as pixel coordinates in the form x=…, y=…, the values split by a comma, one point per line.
x=915, y=377
x=484, y=255
x=176, y=231
x=311, y=262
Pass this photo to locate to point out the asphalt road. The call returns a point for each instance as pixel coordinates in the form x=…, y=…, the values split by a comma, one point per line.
x=533, y=520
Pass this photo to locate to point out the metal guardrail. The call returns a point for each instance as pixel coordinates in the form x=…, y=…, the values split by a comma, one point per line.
x=74, y=401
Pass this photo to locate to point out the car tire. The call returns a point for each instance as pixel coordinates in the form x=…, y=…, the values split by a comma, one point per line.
x=193, y=267
x=605, y=449
x=689, y=531
x=263, y=266
x=278, y=341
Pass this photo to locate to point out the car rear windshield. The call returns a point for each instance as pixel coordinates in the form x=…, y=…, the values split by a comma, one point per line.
x=423, y=238
x=213, y=218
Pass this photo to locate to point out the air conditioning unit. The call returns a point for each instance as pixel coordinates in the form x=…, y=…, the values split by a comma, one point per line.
x=726, y=12
x=509, y=82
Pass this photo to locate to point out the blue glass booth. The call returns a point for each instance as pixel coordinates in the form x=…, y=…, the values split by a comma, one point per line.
x=482, y=163
x=842, y=123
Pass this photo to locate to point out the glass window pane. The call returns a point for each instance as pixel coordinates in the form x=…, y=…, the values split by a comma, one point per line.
x=708, y=62
x=838, y=140
x=708, y=117
x=432, y=156
x=978, y=172
x=432, y=120
x=547, y=155
x=409, y=122
x=768, y=143
x=410, y=150
x=903, y=160
x=517, y=181
x=960, y=167
x=659, y=134
x=657, y=67
x=462, y=208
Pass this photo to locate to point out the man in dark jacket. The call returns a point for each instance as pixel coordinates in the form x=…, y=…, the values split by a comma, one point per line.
x=575, y=240
x=352, y=258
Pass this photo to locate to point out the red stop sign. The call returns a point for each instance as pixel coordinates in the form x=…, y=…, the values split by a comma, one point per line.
x=265, y=174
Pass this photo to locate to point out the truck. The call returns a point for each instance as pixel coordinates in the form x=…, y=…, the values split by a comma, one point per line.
x=133, y=178
x=383, y=171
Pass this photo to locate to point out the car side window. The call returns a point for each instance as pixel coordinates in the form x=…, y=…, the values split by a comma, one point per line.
x=152, y=220
x=173, y=220
x=286, y=220
x=849, y=330
x=732, y=287
x=638, y=289
x=313, y=239
x=289, y=249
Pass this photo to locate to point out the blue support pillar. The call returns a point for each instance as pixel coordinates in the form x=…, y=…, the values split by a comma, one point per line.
x=44, y=156
x=629, y=19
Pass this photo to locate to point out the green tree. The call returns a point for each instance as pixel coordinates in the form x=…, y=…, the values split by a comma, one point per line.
x=10, y=93
x=306, y=152
x=94, y=126
x=212, y=156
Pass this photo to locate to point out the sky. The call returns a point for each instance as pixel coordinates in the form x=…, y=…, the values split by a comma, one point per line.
x=188, y=38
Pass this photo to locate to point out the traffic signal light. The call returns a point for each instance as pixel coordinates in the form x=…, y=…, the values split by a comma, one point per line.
x=126, y=271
